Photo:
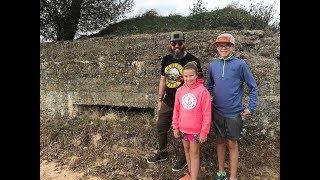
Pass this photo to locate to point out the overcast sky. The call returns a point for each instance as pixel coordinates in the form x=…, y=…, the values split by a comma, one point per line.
x=182, y=7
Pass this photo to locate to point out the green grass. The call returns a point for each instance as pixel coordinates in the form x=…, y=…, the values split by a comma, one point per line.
x=58, y=130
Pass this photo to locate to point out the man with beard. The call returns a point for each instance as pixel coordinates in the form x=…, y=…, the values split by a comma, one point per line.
x=170, y=81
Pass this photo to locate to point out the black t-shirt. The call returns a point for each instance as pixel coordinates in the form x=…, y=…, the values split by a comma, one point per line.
x=171, y=68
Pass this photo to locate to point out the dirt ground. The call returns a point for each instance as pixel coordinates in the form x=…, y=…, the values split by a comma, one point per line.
x=115, y=145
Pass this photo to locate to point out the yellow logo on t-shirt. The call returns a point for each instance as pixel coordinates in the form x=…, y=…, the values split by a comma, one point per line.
x=173, y=73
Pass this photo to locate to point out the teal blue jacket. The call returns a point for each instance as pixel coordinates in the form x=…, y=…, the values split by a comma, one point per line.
x=226, y=84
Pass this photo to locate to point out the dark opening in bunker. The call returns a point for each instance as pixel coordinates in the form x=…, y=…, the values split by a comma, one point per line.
x=101, y=110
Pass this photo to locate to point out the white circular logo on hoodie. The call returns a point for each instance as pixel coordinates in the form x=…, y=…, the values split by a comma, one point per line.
x=189, y=101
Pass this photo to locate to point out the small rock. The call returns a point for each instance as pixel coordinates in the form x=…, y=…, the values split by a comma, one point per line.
x=77, y=142
x=103, y=118
x=95, y=138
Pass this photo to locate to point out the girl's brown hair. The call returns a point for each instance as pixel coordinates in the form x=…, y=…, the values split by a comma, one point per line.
x=191, y=65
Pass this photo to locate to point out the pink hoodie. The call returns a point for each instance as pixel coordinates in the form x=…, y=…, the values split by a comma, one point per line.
x=192, y=109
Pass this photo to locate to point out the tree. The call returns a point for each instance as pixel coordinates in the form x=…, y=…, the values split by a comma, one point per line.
x=61, y=19
x=263, y=14
x=198, y=7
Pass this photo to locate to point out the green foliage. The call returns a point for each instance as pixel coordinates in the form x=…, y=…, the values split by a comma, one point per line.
x=99, y=122
x=228, y=18
x=198, y=7
x=151, y=12
x=77, y=123
x=61, y=19
x=262, y=15
x=58, y=130
x=80, y=121
x=149, y=22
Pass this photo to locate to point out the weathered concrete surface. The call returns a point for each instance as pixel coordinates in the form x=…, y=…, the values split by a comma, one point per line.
x=124, y=71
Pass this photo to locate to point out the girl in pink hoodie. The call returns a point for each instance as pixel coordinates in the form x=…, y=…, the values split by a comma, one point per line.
x=192, y=117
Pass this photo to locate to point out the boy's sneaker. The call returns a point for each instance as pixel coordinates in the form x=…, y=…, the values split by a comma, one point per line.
x=158, y=158
x=221, y=176
x=179, y=165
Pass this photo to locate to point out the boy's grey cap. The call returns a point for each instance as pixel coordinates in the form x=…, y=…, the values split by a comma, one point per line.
x=177, y=36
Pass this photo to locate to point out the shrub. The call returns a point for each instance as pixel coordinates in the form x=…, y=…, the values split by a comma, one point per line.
x=262, y=15
x=230, y=17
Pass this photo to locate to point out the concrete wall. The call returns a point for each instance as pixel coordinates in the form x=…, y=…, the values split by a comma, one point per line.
x=125, y=71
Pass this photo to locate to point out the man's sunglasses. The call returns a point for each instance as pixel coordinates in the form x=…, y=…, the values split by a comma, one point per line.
x=175, y=43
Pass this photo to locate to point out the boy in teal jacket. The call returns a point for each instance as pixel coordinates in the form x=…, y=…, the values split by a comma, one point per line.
x=226, y=82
